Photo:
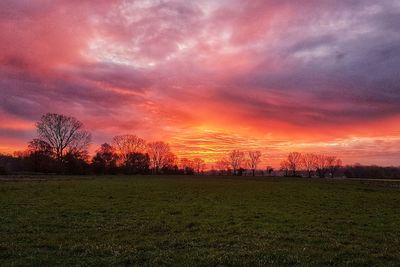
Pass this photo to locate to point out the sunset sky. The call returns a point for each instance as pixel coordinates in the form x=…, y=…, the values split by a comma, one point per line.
x=208, y=76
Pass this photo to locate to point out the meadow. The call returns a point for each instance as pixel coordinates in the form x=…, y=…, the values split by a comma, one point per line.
x=198, y=221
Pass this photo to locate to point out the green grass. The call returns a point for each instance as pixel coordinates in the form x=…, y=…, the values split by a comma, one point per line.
x=198, y=221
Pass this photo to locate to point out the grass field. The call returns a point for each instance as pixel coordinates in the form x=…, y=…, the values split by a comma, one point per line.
x=198, y=221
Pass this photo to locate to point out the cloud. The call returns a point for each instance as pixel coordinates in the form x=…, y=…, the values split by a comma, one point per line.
x=300, y=70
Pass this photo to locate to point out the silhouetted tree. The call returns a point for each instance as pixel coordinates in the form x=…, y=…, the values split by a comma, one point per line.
x=187, y=166
x=333, y=164
x=321, y=165
x=159, y=153
x=137, y=163
x=285, y=166
x=254, y=160
x=309, y=161
x=222, y=166
x=170, y=165
x=105, y=160
x=199, y=165
x=76, y=162
x=375, y=172
x=294, y=160
x=64, y=134
x=236, y=159
x=128, y=144
x=6, y=164
x=41, y=156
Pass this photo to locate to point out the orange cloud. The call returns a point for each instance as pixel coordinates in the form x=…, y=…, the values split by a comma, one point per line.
x=208, y=76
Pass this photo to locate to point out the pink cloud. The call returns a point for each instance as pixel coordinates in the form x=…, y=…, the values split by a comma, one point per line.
x=306, y=70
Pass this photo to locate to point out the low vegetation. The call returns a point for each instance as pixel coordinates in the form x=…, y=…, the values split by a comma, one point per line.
x=198, y=221
x=61, y=147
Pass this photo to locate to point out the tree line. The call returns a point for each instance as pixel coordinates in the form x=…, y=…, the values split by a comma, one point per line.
x=319, y=164
x=61, y=147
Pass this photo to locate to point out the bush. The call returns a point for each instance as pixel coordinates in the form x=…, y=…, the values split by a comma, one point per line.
x=3, y=170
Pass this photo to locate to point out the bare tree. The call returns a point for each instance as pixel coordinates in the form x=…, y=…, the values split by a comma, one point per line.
x=199, y=165
x=333, y=164
x=285, y=166
x=294, y=160
x=222, y=165
x=64, y=134
x=40, y=146
x=170, y=163
x=159, y=153
x=236, y=158
x=254, y=160
x=128, y=144
x=308, y=161
x=321, y=165
x=187, y=166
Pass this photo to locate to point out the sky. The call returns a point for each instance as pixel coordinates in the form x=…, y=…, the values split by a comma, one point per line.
x=208, y=76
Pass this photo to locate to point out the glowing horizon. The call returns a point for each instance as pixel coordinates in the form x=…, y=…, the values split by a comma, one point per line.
x=208, y=77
